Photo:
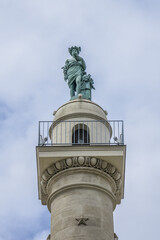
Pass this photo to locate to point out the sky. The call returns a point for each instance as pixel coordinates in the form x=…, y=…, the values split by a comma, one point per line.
x=120, y=42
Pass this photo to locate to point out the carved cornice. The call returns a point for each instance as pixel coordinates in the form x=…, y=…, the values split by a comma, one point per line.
x=82, y=162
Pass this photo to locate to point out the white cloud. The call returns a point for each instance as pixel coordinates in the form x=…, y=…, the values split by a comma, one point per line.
x=41, y=236
x=120, y=43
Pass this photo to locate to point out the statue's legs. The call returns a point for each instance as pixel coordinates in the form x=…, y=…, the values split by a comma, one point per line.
x=72, y=90
x=78, y=84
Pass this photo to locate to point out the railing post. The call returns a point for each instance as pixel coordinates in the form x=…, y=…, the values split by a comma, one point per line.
x=105, y=132
x=70, y=134
x=122, y=132
x=43, y=131
x=39, y=134
x=61, y=132
x=92, y=133
x=56, y=131
x=74, y=134
x=101, y=130
x=65, y=132
x=47, y=134
x=83, y=133
x=96, y=132
x=79, y=139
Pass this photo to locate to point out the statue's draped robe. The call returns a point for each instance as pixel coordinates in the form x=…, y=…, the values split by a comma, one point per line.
x=74, y=69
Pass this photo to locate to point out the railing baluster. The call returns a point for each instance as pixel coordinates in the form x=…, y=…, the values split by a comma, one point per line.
x=79, y=139
x=52, y=133
x=118, y=133
x=56, y=132
x=110, y=132
x=101, y=131
x=47, y=134
x=43, y=133
x=96, y=132
x=74, y=133
x=61, y=132
x=65, y=131
x=87, y=132
x=92, y=133
x=122, y=132
x=105, y=131
x=114, y=130
x=39, y=133
x=83, y=133
x=70, y=135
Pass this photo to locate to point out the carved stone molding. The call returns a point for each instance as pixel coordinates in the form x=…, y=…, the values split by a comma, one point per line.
x=75, y=162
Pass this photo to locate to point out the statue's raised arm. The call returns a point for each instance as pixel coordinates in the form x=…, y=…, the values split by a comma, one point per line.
x=74, y=72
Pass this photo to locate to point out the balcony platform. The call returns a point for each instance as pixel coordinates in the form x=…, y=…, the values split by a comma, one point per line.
x=113, y=154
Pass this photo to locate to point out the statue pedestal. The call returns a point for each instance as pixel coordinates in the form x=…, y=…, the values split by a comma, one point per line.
x=86, y=87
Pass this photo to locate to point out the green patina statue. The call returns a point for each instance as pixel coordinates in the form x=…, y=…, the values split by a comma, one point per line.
x=78, y=80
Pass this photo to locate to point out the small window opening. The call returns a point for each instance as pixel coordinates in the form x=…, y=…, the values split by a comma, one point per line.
x=80, y=134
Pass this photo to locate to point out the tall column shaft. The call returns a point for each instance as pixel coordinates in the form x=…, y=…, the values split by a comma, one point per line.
x=81, y=201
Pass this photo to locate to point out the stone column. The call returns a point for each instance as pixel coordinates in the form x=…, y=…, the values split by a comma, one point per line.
x=81, y=185
x=81, y=197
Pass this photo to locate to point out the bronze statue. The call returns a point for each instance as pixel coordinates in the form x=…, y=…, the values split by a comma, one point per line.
x=74, y=72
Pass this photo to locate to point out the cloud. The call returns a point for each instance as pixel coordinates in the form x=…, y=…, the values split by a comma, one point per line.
x=120, y=44
x=41, y=236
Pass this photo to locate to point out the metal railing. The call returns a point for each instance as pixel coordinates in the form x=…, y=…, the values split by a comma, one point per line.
x=81, y=133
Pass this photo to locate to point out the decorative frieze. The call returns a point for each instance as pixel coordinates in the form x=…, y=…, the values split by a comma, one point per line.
x=76, y=162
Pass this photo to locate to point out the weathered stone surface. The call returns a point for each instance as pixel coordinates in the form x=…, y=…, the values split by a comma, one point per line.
x=81, y=191
x=81, y=182
x=78, y=162
x=48, y=156
x=81, y=188
x=80, y=108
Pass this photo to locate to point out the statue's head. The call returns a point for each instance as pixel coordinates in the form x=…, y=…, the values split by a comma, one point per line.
x=74, y=49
